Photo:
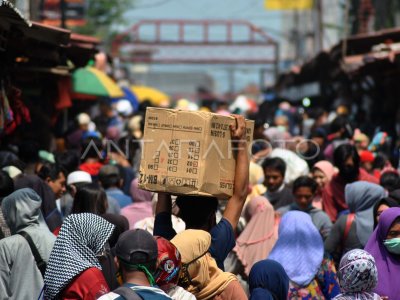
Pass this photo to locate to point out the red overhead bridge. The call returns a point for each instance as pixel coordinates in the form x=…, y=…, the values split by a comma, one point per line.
x=196, y=42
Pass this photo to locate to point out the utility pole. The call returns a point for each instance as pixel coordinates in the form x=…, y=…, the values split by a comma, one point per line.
x=346, y=27
x=319, y=32
x=63, y=8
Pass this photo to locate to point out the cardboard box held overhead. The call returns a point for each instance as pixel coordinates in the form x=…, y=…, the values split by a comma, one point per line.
x=190, y=153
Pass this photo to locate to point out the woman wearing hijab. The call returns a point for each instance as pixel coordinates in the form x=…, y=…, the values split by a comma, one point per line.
x=384, y=246
x=19, y=276
x=381, y=206
x=74, y=271
x=268, y=281
x=353, y=230
x=23, y=214
x=200, y=274
x=322, y=172
x=300, y=250
x=358, y=276
x=142, y=207
x=260, y=234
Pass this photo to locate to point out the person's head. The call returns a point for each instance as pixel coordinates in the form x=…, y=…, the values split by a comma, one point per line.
x=322, y=172
x=83, y=121
x=168, y=264
x=121, y=225
x=109, y=177
x=255, y=205
x=76, y=180
x=274, y=173
x=347, y=160
x=139, y=195
x=390, y=181
x=6, y=185
x=198, y=212
x=136, y=251
x=362, y=195
x=388, y=230
x=22, y=209
x=367, y=159
x=68, y=160
x=380, y=161
x=357, y=272
x=304, y=189
x=54, y=176
x=268, y=280
x=300, y=248
x=91, y=148
x=28, y=152
x=341, y=126
x=199, y=268
x=90, y=199
x=381, y=206
x=79, y=244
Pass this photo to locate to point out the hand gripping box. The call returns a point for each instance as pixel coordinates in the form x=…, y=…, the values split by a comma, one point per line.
x=190, y=153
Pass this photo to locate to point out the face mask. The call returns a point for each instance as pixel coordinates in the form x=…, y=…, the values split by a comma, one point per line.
x=393, y=245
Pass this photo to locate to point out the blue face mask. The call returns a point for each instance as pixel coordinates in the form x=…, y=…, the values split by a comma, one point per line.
x=393, y=245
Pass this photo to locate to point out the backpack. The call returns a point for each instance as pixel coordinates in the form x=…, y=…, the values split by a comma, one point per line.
x=127, y=293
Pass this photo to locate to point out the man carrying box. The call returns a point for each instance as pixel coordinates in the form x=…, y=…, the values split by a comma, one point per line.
x=199, y=212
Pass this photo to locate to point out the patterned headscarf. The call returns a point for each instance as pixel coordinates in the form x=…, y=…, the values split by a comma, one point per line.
x=81, y=237
x=358, y=276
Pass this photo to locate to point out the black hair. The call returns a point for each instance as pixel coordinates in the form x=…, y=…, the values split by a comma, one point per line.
x=68, y=160
x=28, y=151
x=379, y=161
x=275, y=163
x=49, y=170
x=390, y=181
x=91, y=148
x=342, y=153
x=196, y=211
x=387, y=201
x=6, y=184
x=342, y=123
x=108, y=181
x=90, y=199
x=305, y=181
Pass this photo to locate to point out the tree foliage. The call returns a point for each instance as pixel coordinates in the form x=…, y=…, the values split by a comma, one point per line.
x=102, y=15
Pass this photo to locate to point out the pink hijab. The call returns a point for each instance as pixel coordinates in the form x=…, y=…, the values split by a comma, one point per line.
x=326, y=167
x=259, y=236
x=141, y=207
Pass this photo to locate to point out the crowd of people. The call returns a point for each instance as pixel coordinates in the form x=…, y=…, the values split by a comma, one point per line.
x=315, y=214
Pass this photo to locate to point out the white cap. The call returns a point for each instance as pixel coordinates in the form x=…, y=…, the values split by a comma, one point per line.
x=12, y=171
x=83, y=119
x=79, y=177
x=124, y=107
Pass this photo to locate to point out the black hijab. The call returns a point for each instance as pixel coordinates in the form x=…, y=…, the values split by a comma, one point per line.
x=386, y=201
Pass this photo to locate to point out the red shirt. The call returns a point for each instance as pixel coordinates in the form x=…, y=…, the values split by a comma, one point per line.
x=333, y=198
x=92, y=168
x=88, y=285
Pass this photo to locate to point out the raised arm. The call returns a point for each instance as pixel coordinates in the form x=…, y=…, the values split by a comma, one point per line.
x=235, y=204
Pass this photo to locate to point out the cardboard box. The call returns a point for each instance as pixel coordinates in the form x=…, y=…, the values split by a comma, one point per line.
x=190, y=153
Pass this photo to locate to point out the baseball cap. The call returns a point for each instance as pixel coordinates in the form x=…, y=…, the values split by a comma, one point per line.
x=78, y=177
x=109, y=170
x=136, y=247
